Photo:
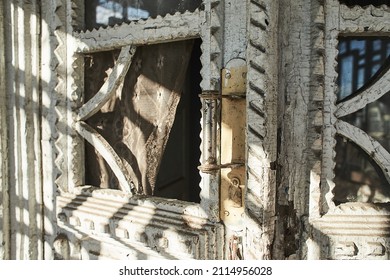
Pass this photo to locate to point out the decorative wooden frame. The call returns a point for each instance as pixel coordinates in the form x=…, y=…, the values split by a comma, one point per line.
x=176, y=230
x=350, y=230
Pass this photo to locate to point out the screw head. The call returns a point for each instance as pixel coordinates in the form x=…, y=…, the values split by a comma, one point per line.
x=235, y=181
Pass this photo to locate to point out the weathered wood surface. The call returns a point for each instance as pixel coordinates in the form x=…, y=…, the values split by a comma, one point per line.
x=158, y=30
x=137, y=120
x=261, y=103
x=368, y=19
x=106, y=221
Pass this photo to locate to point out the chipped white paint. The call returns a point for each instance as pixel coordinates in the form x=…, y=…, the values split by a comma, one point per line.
x=141, y=32
x=350, y=230
x=331, y=42
x=51, y=109
x=354, y=231
x=367, y=20
x=211, y=59
x=150, y=227
x=150, y=31
x=291, y=53
x=262, y=92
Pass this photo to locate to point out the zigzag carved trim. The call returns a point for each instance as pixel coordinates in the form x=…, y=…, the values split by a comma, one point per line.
x=262, y=122
x=153, y=30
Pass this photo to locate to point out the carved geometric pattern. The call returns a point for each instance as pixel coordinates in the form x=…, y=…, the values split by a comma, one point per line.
x=352, y=230
x=261, y=119
x=161, y=29
x=329, y=132
x=356, y=231
x=367, y=19
x=316, y=104
x=211, y=60
x=346, y=20
x=59, y=65
x=114, y=80
x=126, y=181
x=152, y=30
x=372, y=147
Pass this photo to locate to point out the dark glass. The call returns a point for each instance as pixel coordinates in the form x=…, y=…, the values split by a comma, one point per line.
x=357, y=177
x=359, y=60
x=374, y=119
x=365, y=2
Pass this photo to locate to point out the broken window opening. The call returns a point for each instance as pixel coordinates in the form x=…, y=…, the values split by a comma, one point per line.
x=362, y=61
x=138, y=120
x=104, y=13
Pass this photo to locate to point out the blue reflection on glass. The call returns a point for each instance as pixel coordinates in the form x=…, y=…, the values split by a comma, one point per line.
x=359, y=60
x=357, y=176
x=109, y=12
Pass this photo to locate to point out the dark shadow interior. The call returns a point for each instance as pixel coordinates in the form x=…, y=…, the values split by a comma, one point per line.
x=179, y=176
x=365, y=2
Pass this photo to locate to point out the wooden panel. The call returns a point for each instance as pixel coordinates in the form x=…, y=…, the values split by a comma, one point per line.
x=108, y=222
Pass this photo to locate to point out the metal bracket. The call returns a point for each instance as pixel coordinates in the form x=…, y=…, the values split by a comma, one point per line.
x=234, y=79
x=233, y=138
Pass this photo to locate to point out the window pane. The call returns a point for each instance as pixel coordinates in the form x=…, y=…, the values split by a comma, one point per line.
x=110, y=12
x=374, y=119
x=358, y=178
x=359, y=60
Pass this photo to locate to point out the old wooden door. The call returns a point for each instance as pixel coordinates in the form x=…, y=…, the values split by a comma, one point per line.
x=146, y=134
